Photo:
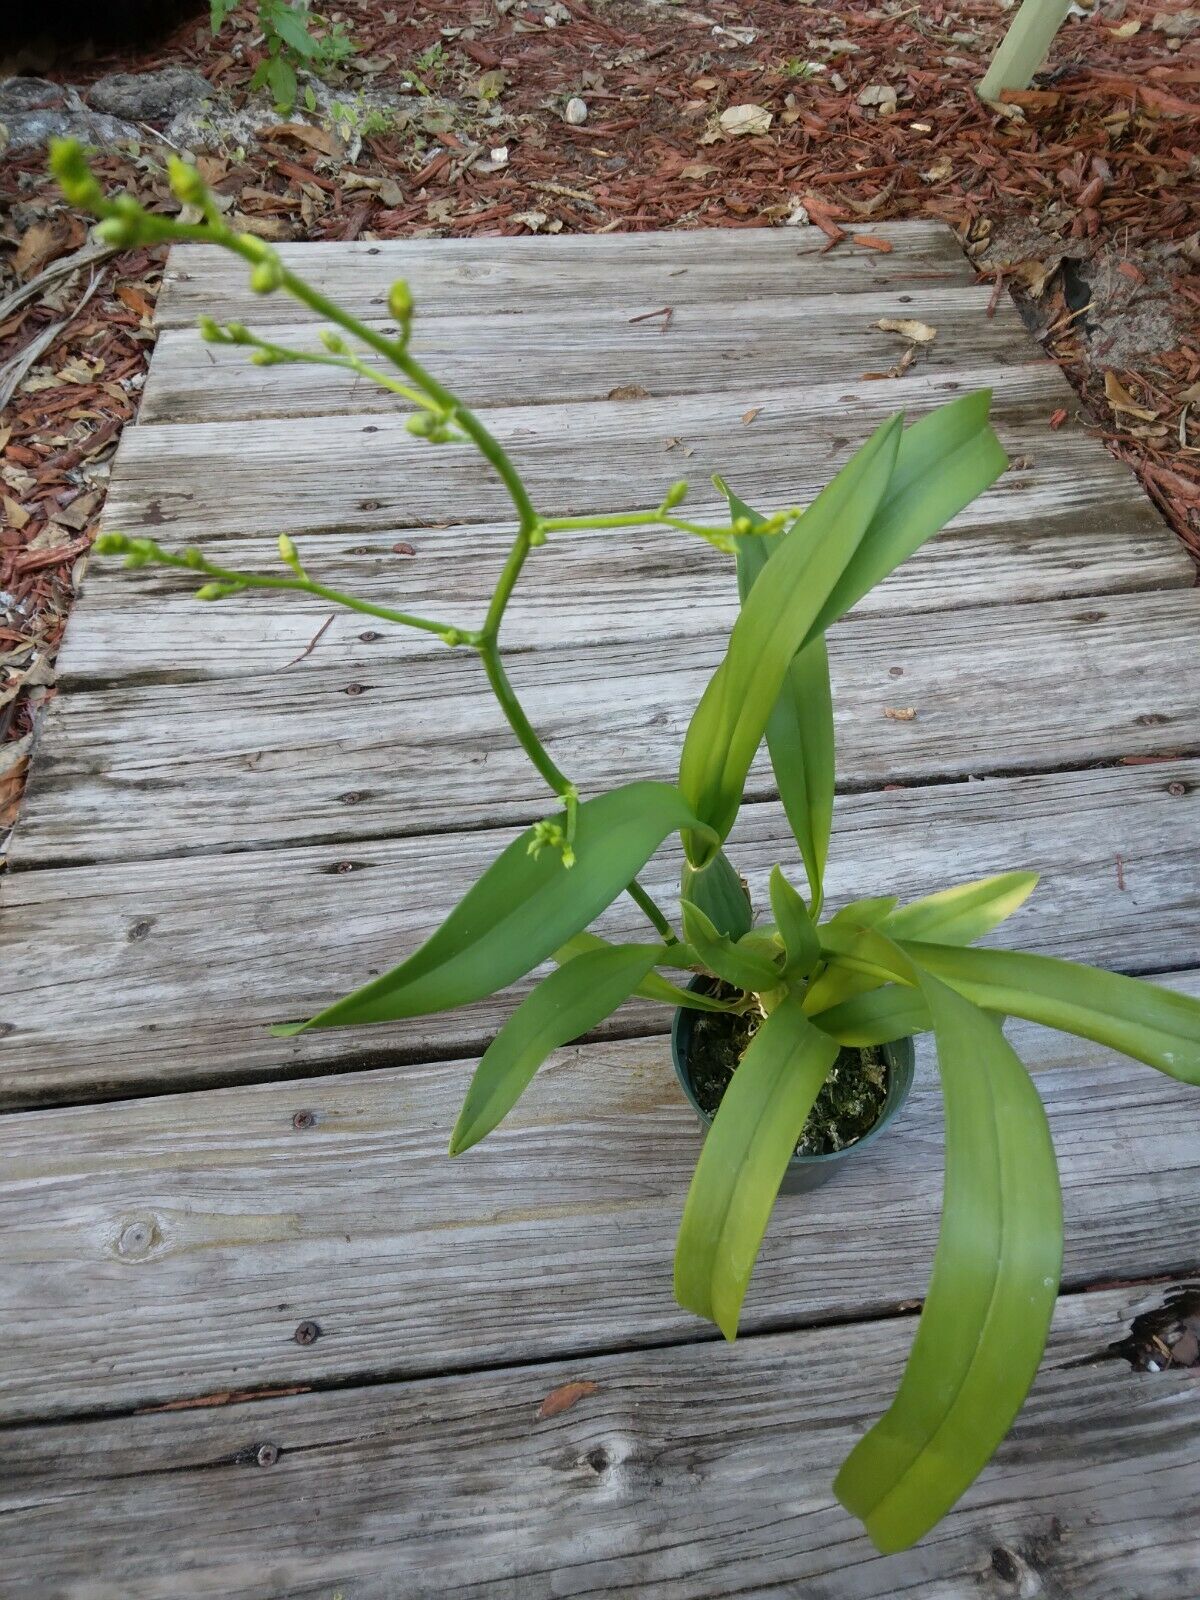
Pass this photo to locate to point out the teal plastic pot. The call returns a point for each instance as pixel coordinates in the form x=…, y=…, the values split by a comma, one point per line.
x=803, y=1172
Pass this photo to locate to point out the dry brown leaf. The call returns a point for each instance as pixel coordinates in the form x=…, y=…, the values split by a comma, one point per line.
x=319, y=139
x=900, y=713
x=747, y=118
x=629, y=391
x=1120, y=399
x=749, y=416
x=564, y=1397
x=697, y=169
x=133, y=297
x=39, y=242
x=908, y=328
x=16, y=514
x=703, y=85
x=1126, y=30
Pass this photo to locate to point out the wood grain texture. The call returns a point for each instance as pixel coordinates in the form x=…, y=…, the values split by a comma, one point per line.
x=688, y=1474
x=210, y=481
x=619, y=588
x=585, y=351
x=176, y=769
x=167, y=973
x=532, y=276
x=166, y=1220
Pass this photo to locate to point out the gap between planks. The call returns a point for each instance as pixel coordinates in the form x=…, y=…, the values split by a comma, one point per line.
x=681, y=1475
x=173, y=770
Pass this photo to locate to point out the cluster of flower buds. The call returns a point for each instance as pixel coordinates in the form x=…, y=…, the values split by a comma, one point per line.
x=550, y=834
x=138, y=552
x=436, y=426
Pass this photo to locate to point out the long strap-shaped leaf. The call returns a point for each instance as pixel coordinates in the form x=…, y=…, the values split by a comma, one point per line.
x=568, y=1002
x=521, y=909
x=1140, y=1019
x=991, y=1296
x=886, y=1014
x=951, y=916
x=800, y=733
x=728, y=725
x=944, y=462
x=743, y=1162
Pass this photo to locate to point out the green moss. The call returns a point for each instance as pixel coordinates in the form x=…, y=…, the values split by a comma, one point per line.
x=850, y=1102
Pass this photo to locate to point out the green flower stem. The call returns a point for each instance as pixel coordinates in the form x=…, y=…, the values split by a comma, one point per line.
x=149, y=228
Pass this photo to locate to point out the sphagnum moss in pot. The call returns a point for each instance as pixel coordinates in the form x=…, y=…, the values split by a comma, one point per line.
x=871, y=975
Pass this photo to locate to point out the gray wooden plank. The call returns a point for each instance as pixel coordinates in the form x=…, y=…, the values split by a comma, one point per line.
x=135, y=974
x=192, y=1235
x=146, y=627
x=687, y=1474
x=465, y=277
x=582, y=352
x=209, y=481
x=131, y=772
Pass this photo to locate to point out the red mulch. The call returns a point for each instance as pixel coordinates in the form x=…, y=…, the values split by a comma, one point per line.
x=1099, y=164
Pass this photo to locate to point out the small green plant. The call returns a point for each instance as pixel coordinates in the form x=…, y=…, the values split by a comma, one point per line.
x=873, y=973
x=291, y=44
x=354, y=118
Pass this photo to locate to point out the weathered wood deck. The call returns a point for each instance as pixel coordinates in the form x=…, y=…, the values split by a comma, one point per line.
x=261, y=1337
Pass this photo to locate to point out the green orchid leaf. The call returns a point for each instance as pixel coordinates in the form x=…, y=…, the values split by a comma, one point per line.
x=962, y=914
x=521, y=909
x=951, y=916
x=800, y=736
x=652, y=987
x=800, y=942
x=743, y=1161
x=720, y=894
x=880, y=1017
x=864, y=913
x=745, y=968
x=730, y=721
x=1140, y=1019
x=944, y=462
x=568, y=1002
x=991, y=1296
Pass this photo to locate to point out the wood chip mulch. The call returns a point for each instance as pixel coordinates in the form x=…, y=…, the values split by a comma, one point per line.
x=1081, y=197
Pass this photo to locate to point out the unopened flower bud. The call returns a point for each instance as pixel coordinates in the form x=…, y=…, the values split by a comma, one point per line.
x=742, y=525
x=186, y=183
x=210, y=330
x=264, y=358
x=333, y=342
x=420, y=423
x=400, y=303
x=211, y=591
x=288, y=553
x=111, y=544
x=69, y=166
x=267, y=276
x=676, y=494
x=194, y=558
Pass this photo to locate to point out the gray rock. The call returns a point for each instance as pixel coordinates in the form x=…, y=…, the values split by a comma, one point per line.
x=33, y=130
x=149, y=96
x=18, y=95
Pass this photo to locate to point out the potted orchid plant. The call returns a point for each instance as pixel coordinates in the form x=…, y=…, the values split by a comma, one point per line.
x=793, y=1032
